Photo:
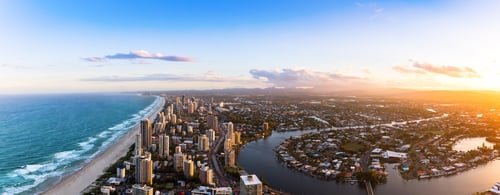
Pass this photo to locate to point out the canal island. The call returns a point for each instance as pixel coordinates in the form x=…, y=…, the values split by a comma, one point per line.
x=425, y=140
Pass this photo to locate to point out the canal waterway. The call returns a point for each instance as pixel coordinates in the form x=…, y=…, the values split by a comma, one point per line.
x=258, y=157
x=467, y=144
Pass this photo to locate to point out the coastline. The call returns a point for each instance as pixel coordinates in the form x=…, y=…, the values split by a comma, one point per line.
x=76, y=182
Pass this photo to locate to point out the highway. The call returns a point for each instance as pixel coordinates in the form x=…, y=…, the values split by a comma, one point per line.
x=221, y=178
x=364, y=167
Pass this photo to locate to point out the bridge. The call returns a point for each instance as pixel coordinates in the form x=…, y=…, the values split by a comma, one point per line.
x=364, y=166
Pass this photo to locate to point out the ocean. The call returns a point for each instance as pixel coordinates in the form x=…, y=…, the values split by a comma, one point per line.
x=44, y=137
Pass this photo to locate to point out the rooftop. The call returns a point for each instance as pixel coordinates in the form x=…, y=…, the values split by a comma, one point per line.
x=250, y=180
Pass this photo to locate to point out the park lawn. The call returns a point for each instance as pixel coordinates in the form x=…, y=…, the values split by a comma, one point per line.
x=353, y=147
x=433, y=132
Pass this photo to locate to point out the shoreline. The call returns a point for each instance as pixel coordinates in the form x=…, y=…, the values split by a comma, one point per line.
x=77, y=182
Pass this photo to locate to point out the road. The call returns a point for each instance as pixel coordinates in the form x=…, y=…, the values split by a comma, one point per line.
x=274, y=191
x=221, y=178
x=369, y=188
x=364, y=167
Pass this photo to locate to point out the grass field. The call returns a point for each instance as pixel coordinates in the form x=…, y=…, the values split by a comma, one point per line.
x=353, y=147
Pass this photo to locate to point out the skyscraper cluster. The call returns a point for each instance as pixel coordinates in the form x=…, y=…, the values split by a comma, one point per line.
x=186, y=139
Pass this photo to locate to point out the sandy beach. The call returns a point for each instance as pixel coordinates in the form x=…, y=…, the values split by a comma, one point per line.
x=78, y=181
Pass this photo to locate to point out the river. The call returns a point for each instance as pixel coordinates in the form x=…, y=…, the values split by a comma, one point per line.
x=258, y=157
x=467, y=144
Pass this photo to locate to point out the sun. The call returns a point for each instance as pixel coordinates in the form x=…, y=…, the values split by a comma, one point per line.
x=491, y=81
x=489, y=78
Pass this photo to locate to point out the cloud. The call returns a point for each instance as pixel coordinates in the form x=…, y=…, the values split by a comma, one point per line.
x=94, y=59
x=10, y=66
x=286, y=78
x=210, y=76
x=373, y=9
x=293, y=78
x=377, y=13
x=451, y=71
x=140, y=62
x=404, y=69
x=139, y=54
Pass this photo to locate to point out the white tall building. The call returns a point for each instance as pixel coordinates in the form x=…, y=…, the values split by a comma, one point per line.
x=170, y=110
x=178, y=149
x=230, y=127
x=188, y=169
x=265, y=126
x=138, y=145
x=230, y=133
x=250, y=185
x=237, y=137
x=190, y=108
x=206, y=175
x=162, y=120
x=204, y=190
x=147, y=133
x=164, y=146
x=228, y=144
x=158, y=128
x=144, y=169
x=173, y=119
x=120, y=171
x=179, y=159
x=203, y=143
x=212, y=122
x=179, y=128
x=229, y=158
x=211, y=135
x=138, y=189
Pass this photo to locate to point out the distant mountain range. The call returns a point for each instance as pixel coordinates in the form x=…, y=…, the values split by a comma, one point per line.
x=431, y=96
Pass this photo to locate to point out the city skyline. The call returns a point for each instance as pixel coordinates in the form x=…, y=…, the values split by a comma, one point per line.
x=93, y=46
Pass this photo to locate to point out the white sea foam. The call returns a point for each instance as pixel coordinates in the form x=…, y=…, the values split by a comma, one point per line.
x=36, y=178
x=103, y=134
x=126, y=125
x=121, y=126
x=38, y=173
x=66, y=155
x=87, y=145
x=26, y=170
x=48, y=167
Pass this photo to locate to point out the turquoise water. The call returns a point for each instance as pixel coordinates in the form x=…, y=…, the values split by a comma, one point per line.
x=43, y=137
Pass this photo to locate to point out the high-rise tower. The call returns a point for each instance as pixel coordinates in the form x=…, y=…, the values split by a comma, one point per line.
x=164, y=146
x=144, y=169
x=146, y=132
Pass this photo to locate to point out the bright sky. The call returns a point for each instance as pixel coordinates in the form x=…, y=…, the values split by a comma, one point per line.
x=49, y=46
